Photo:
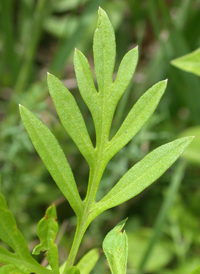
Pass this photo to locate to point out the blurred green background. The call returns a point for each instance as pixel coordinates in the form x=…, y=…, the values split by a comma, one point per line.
x=40, y=36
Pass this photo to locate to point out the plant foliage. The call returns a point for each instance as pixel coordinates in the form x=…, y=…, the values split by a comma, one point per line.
x=102, y=103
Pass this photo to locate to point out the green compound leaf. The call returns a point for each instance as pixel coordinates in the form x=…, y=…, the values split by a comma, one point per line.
x=104, y=48
x=47, y=231
x=137, y=117
x=144, y=173
x=115, y=247
x=189, y=62
x=10, y=234
x=87, y=263
x=11, y=269
x=71, y=117
x=53, y=157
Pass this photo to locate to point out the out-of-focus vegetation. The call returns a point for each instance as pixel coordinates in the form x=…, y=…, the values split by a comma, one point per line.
x=40, y=36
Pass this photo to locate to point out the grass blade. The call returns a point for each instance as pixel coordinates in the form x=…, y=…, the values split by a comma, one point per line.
x=66, y=46
x=167, y=204
x=36, y=28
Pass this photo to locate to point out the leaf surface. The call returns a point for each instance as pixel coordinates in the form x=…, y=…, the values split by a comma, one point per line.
x=53, y=157
x=137, y=117
x=26, y=264
x=144, y=173
x=189, y=62
x=7, y=257
x=71, y=117
x=47, y=231
x=104, y=49
x=86, y=85
x=87, y=263
x=115, y=247
x=125, y=74
x=11, y=269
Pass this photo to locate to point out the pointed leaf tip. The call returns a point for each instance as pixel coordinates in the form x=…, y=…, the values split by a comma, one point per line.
x=120, y=225
x=102, y=12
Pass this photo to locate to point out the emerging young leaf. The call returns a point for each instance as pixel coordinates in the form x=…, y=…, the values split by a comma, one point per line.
x=53, y=157
x=87, y=263
x=189, y=62
x=71, y=117
x=47, y=231
x=115, y=247
x=144, y=173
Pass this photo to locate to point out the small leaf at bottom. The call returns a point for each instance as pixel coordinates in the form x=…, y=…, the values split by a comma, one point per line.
x=47, y=231
x=115, y=247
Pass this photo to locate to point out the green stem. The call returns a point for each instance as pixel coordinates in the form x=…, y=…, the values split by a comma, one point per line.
x=80, y=230
x=85, y=220
x=167, y=204
x=96, y=172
